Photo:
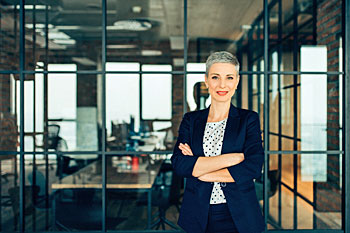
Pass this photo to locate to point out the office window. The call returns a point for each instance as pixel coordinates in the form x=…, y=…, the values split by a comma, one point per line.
x=156, y=93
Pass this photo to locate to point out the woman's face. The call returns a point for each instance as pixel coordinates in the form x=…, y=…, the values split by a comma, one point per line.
x=222, y=81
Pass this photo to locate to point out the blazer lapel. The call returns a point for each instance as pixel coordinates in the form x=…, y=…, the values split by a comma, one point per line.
x=198, y=133
x=230, y=135
x=231, y=130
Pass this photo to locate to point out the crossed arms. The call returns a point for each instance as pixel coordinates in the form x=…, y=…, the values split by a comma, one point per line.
x=231, y=167
x=213, y=169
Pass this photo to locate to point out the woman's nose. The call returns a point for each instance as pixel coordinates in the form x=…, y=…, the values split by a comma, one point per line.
x=222, y=83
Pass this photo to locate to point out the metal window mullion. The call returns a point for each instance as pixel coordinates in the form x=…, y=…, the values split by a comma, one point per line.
x=170, y=72
x=279, y=64
x=185, y=58
x=21, y=133
x=46, y=156
x=328, y=152
x=295, y=106
x=266, y=109
x=346, y=117
x=34, y=118
x=103, y=136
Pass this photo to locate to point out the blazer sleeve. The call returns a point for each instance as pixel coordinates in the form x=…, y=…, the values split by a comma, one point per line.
x=253, y=151
x=183, y=164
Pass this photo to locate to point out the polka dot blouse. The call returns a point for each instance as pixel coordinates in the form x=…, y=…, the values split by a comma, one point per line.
x=212, y=144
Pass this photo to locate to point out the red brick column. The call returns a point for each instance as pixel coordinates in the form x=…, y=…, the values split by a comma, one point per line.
x=329, y=26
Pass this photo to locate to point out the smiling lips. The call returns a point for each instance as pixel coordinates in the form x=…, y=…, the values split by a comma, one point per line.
x=222, y=93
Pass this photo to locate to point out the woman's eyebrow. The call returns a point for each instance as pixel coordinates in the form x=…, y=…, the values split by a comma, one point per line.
x=220, y=75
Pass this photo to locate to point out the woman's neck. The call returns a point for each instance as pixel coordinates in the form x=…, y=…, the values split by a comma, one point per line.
x=218, y=111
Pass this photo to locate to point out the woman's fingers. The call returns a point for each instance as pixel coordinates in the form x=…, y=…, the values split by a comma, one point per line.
x=185, y=148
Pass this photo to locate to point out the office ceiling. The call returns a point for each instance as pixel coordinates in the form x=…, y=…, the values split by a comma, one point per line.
x=156, y=23
x=81, y=19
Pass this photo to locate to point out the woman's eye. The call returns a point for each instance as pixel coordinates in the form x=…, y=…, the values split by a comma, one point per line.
x=214, y=77
x=230, y=77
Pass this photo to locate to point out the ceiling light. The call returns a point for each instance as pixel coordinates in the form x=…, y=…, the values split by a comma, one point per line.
x=84, y=61
x=53, y=34
x=31, y=7
x=65, y=42
x=121, y=46
x=151, y=53
x=132, y=25
x=136, y=9
x=38, y=25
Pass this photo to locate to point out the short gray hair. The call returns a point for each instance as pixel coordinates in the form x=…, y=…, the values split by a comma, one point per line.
x=221, y=57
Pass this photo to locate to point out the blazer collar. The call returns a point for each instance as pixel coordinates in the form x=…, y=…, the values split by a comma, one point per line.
x=233, y=112
x=199, y=127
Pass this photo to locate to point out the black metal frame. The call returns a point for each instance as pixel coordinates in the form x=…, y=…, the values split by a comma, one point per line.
x=266, y=72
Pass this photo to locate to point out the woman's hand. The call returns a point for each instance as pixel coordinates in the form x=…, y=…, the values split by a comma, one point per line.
x=204, y=178
x=185, y=149
x=239, y=157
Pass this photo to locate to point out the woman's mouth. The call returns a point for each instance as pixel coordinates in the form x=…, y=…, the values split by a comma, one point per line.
x=222, y=93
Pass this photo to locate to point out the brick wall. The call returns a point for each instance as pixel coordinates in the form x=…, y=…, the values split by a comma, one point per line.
x=329, y=26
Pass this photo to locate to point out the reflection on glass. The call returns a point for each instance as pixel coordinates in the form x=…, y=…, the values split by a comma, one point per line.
x=62, y=104
x=119, y=88
x=209, y=31
x=156, y=93
x=197, y=94
x=312, y=204
x=149, y=32
x=9, y=46
x=77, y=192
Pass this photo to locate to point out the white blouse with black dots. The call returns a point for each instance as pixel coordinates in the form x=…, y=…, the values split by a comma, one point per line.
x=212, y=144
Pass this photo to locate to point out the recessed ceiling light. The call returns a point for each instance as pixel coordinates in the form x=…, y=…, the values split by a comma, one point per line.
x=136, y=9
x=65, y=42
x=84, y=61
x=121, y=46
x=132, y=25
x=151, y=52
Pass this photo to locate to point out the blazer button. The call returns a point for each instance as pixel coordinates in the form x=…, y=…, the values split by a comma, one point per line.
x=223, y=184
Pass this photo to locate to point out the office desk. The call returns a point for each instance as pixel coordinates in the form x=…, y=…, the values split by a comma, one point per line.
x=139, y=178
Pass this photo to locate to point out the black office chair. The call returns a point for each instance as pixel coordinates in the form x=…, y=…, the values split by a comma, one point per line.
x=30, y=193
x=82, y=211
x=272, y=184
x=40, y=183
x=165, y=193
x=57, y=143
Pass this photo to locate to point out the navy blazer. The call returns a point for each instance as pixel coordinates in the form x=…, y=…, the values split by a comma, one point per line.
x=242, y=135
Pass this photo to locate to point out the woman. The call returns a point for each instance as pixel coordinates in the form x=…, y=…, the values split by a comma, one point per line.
x=219, y=151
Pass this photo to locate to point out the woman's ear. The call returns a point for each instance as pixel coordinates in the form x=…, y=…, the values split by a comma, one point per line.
x=238, y=78
x=206, y=81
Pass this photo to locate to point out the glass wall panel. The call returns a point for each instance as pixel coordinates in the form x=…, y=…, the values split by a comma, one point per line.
x=77, y=191
x=209, y=31
x=9, y=190
x=197, y=94
x=148, y=32
x=9, y=37
x=316, y=124
x=315, y=203
x=307, y=24
x=122, y=118
x=73, y=33
x=138, y=190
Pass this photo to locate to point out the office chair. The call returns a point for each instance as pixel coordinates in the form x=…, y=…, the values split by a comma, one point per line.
x=272, y=184
x=165, y=193
x=28, y=200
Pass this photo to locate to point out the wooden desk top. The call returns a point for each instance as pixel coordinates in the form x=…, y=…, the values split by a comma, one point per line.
x=118, y=176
